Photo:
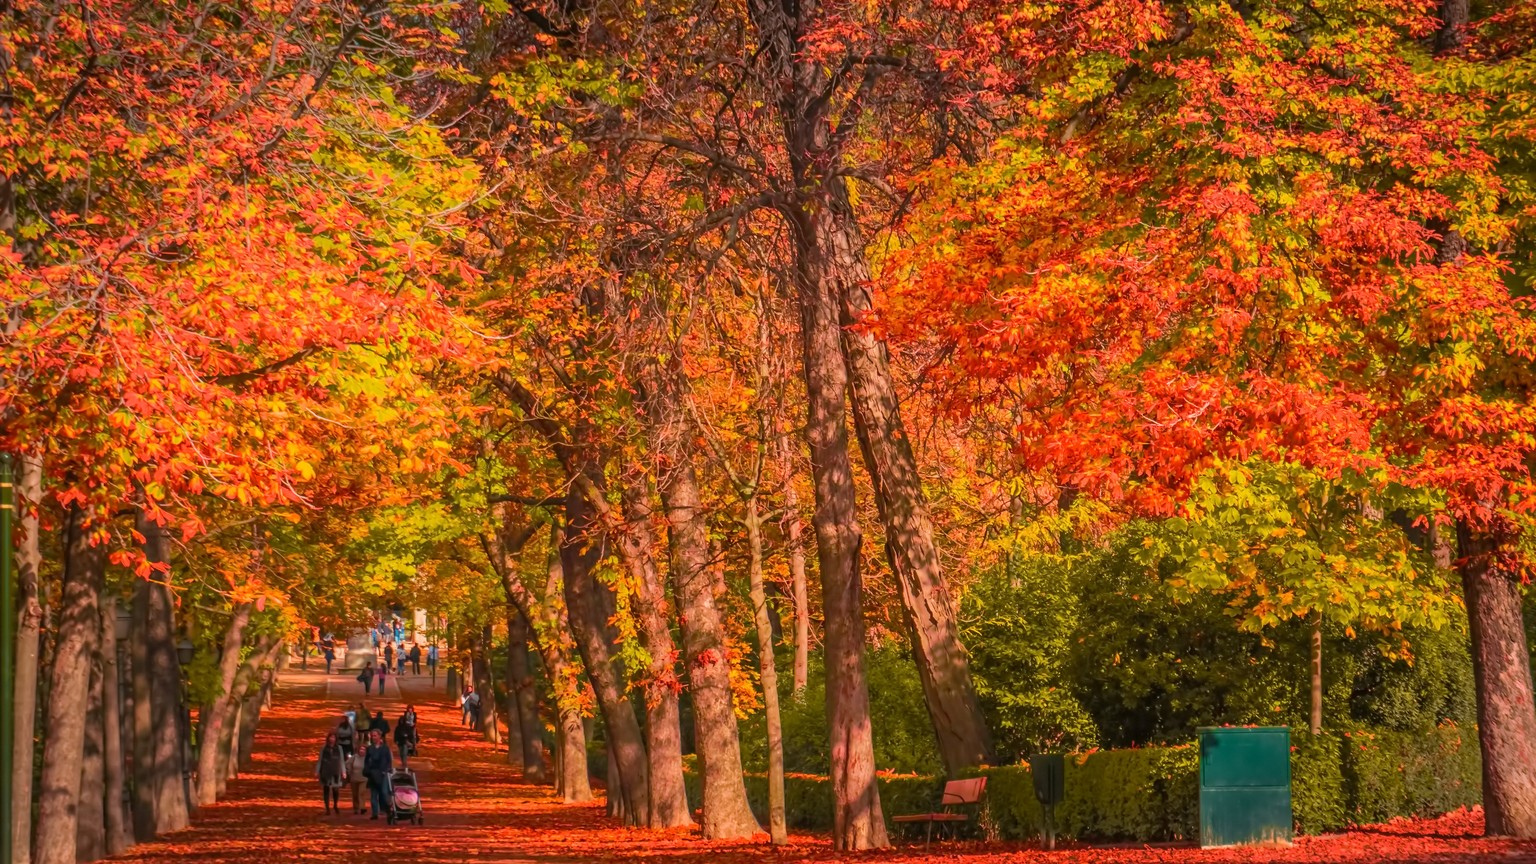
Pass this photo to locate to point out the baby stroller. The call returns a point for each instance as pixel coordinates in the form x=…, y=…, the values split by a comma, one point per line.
x=404, y=798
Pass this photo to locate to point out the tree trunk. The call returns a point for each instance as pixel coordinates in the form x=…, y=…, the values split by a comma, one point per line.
x=217, y=714
x=795, y=546
x=29, y=628
x=90, y=824
x=162, y=769
x=237, y=703
x=857, y=820
x=513, y=707
x=79, y=629
x=486, y=684
x=934, y=631
x=1317, y=674
x=141, y=718
x=1501, y=665
x=117, y=840
x=777, y=832
x=578, y=555
x=663, y=729
x=520, y=682
x=250, y=720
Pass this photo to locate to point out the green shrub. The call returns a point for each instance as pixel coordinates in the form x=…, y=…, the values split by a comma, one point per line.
x=1317, y=783
x=1389, y=774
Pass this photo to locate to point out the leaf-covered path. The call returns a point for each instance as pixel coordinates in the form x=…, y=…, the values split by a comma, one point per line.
x=479, y=810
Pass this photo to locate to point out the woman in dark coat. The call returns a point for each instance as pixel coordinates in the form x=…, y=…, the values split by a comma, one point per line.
x=331, y=769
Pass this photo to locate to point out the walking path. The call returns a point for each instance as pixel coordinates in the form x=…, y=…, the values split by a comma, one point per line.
x=478, y=809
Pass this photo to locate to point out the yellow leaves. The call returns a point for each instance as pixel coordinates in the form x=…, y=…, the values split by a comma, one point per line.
x=306, y=470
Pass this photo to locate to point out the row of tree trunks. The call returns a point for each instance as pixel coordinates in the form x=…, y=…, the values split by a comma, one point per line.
x=160, y=804
x=523, y=698
x=485, y=682
x=76, y=643
x=218, y=714
x=29, y=626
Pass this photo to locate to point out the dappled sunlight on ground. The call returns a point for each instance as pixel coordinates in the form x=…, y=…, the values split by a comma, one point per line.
x=478, y=809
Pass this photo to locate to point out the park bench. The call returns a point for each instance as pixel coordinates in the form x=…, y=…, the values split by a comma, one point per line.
x=957, y=794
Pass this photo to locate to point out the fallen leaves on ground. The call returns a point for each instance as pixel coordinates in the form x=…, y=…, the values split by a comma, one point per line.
x=478, y=809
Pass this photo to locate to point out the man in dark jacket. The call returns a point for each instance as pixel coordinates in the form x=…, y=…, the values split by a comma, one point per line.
x=378, y=765
x=415, y=659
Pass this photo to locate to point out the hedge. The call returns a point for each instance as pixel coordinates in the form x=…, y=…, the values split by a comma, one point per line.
x=1152, y=794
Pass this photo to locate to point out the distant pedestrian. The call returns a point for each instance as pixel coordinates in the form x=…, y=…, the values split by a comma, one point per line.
x=331, y=769
x=377, y=767
x=389, y=655
x=366, y=676
x=415, y=658
x=432, y=661
x=400, y=661
x=405, y=736
x=383, y=677
x=464, y=706
x=379, y=725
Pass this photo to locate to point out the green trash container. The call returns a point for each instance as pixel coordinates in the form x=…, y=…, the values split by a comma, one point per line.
x=1245, y=786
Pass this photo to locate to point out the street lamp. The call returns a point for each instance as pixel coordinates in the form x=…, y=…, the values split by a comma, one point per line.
x=184, y=651
x=123, y=624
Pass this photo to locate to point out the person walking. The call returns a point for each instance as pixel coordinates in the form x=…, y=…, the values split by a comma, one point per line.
x=415, y=659
x=464, y=707
x=389, y=655
x=383, y=677
x=346, y=736
x=366, y=676
x=328, y=648
x=405, y=738
x=473, y=701
x=358, y=776
x=432, y=661
x=378, y=765
x=380, y=725
x=400, y=663
x=331, y=770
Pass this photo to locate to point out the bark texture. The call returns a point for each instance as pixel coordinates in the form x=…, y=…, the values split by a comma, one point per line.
x=795, y=547
x=663, y=728
x=929, y=611
x=79, y=628
x=218, y=715
x=90, y=826
x=524, y=693
x=118, y=818
x=717, y=739
x=1501, y=666
x=778, y=834
x=579, y=554
x=164, y=767
x=29, y=628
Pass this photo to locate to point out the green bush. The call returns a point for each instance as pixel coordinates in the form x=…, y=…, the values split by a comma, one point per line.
x=1317, y=783
x=1390, y=774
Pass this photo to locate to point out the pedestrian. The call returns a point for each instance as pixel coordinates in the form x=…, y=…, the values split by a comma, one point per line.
x=405, y=737
x=346, y=736
x=366, y=676
x=383, y=676
x=358, y=778
x=415, y=658
x=331, y=769
x=328, y=648
x=464, y=704
x=432, y=661
x=379, y=725
x=389, y=655
x=377, y=767
x=400, y=661
x=473, y=701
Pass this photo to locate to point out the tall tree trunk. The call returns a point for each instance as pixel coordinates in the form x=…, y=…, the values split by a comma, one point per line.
x=237, y=703
x=485, y=682
x=663, y=729
x=706, y=656
x=1501, y=666
x=69, y=687
x=217, y=715
x=512, y=706
x=90, y=824
x=1316, y=723
x=857, y=820
x=520, y=682
x=29, y=627
x=932, y=626
x=795, y=546
x=141, y=718
x=777, y=832
x=117, y=840
x=163, y=768
x=578, y=555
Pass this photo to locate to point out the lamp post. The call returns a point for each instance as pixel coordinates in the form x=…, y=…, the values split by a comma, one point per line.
x=7, y=652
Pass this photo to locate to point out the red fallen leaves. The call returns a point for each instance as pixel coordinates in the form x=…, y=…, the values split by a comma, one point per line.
x=478, y=809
